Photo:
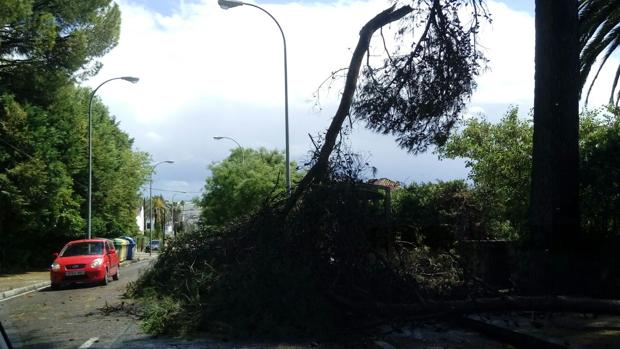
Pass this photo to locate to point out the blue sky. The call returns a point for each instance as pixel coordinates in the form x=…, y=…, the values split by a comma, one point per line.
x=167, y=7
x=207, y=72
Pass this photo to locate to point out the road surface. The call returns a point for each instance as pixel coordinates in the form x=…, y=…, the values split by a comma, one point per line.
x=71, y=317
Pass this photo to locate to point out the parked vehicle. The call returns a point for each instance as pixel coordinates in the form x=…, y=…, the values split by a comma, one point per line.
x=154, y=245
x=85, y=261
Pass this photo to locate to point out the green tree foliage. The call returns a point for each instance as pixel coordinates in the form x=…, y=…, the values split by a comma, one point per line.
x=600, y=170
x=45, y=42
x=43, y=175
x=45, y=47
x=437, y=214
x=36, y=188
x=499, y=159
x=161, y=213
x=118, y=173
x=242, y=182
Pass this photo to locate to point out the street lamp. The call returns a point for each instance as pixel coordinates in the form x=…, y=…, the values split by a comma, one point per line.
x=151, y=201
x=131, y=79
x=226, y=4
x=217, y=138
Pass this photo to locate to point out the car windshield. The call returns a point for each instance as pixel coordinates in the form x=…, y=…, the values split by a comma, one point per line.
x=83, y=249
x=155, y=243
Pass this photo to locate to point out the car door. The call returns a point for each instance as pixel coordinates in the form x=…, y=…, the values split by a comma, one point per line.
x=114, y=264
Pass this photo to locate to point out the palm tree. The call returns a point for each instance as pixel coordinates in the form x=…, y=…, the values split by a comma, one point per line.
x=159, y=207
x=599, y=36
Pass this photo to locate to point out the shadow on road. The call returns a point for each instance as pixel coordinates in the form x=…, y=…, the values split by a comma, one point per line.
x=70, y=287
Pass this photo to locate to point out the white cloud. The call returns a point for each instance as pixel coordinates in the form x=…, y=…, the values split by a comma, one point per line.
x=205, y=71
x=154, y=137
x=508, y=43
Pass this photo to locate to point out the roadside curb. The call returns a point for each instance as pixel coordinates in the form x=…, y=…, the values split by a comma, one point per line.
x=17, y=291
x=132, y=261
x=127, y=262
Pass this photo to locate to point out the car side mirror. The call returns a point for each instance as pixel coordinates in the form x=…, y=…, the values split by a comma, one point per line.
x=55, y=254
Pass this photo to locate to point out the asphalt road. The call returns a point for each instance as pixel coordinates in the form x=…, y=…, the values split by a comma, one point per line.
x=72, y=317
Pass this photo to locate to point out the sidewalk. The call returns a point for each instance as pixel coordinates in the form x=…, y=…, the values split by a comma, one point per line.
x=15, y=284
x=13, y=281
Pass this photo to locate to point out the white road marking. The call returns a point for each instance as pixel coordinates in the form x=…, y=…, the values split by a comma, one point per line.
x=21, y=294
x=88, y=343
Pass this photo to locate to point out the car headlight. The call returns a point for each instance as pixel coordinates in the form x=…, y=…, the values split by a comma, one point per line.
x=55, y=266
x=96, y=262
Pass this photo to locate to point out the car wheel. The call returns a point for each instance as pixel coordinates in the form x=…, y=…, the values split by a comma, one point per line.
x=116, y=276
x=104, y=282
x=55, y=287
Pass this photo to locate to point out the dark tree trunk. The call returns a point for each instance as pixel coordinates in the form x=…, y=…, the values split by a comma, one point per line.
x=554, y=208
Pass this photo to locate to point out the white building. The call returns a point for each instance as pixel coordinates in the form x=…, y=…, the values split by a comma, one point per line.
x=140, y=219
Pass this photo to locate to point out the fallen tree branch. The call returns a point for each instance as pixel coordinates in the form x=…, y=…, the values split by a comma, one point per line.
x=484, y=305
x=319, y=170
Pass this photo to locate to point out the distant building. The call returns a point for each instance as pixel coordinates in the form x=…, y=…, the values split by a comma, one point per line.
x=168, y=229
x=385, y=182
x=190, y=215
x=140, y=219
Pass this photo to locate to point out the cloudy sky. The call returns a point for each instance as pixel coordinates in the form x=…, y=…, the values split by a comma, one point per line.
x=208, y=72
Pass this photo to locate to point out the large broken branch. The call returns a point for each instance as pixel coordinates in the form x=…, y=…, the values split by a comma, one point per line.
x=319, y=170
x=484, y=305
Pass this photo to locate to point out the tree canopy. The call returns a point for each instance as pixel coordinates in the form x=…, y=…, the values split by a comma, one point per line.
x=499, y=159
x=498, y=156
x=43, y=182
x=46, y=46
x=44, y=43
x=239, y=184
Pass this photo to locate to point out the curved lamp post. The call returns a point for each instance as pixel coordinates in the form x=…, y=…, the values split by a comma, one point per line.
x=226, y=4
x=217, y=138
x=151, y=201
x=131, y=79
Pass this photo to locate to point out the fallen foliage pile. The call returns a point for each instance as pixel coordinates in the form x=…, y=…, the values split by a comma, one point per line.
x=273, y=274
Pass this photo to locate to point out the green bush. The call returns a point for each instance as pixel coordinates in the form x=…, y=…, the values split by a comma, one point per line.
x=437, y=214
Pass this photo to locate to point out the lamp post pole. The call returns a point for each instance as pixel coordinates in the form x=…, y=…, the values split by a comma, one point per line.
x=151, y=202
x=226, y=4
x=131, y=79
x=217, y=138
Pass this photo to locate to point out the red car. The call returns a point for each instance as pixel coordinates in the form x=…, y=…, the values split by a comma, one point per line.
x=85, y=261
